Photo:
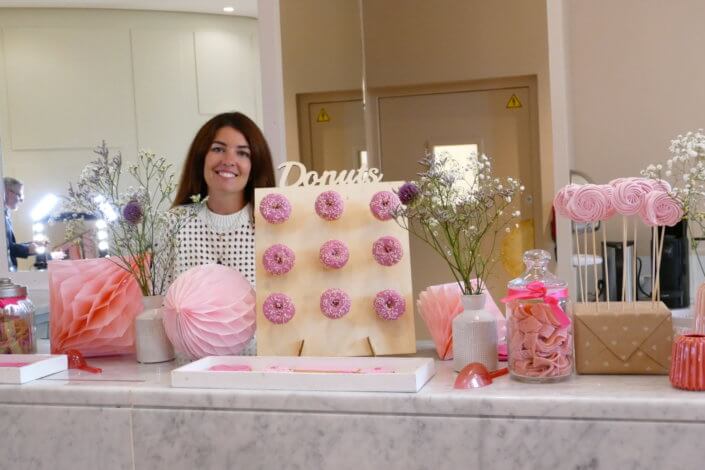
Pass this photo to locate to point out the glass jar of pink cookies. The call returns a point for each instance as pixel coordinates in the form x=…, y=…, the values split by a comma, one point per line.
x=539, y=326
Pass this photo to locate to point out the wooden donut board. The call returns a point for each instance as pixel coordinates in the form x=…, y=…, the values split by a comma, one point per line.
x=310, y=333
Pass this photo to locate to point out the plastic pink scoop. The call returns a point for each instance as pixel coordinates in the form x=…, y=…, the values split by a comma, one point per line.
x=476, y=375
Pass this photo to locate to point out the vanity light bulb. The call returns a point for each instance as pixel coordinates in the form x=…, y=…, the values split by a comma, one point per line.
x=100, y=224
x=103, y=245
x=58, y=255
x=39, y=237
x=36, y=228
x=228, y=9
x=102, y=235
x=41, y=250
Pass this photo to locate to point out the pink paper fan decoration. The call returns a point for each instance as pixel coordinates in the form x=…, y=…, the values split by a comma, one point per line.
x=439, y=304
x=93, y=304
x=210, y=311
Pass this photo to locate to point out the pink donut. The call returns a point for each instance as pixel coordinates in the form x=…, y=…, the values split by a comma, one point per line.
x=387, y=251
x=278, y=259
x=335, y=303
x=389, y=304
x=275, y=208
x=329, y=205
x=383, y=204
x=660, y=208
x=334, y=254
x=278, y=308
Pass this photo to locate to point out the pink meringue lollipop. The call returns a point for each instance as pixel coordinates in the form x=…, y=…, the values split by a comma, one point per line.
x=608, y=191
x=661, y=185
x=589, y=204
x=660, y=209
x=560, y=202
x=628, y=195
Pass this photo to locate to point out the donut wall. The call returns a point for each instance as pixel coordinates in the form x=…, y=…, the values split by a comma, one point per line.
x=333, y=272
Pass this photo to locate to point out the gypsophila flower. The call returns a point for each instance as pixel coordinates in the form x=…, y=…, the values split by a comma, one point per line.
x=459, y=208
x=142, y=239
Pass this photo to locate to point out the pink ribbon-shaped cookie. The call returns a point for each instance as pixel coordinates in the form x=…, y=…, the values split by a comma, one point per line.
x=537, y=290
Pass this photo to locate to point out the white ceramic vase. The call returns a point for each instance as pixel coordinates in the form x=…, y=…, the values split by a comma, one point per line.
x=151, y=341
x=474, y=334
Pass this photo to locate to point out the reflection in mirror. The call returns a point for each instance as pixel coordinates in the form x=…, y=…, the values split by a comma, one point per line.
x=322, y=76
x=71, y=78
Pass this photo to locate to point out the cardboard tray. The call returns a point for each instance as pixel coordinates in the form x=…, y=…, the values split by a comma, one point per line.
x=37, y=366
x=343, y=374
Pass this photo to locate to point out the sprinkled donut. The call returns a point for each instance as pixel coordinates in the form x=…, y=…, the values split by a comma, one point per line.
x=278, y=308
x=387, y=251
x=389, y=304
x=335, y=303
x=278, y=259
x=334, y=254
x=329, y=205
x=275, y=208
x=383, y=204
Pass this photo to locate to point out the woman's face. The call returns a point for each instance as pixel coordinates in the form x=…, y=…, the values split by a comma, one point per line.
x=227, y=165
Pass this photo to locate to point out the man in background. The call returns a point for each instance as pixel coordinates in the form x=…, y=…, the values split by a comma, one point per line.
x=14, y=195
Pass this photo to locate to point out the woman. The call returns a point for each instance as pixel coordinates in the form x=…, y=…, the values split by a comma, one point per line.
x=228, y=159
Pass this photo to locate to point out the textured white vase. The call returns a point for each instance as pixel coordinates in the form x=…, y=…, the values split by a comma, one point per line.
x=151, y=342
x=474, y=334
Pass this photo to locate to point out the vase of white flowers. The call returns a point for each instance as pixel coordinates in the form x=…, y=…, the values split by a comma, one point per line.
x=683, y=177
x=460, y=210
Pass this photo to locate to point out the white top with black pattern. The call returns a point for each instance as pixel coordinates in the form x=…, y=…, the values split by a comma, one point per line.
x=223, y=239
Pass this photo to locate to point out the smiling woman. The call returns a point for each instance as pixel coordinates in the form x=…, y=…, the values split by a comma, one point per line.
x=228, y=159
x=70, y=78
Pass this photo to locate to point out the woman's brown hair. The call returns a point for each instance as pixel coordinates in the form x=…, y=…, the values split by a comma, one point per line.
x=261, y=173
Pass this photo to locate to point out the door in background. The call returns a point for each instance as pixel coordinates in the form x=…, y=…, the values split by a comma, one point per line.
x=331, y=131
x=500, y=123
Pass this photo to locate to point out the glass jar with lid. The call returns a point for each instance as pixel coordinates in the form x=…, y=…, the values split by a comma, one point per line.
x=17, y=334
x=539, y=327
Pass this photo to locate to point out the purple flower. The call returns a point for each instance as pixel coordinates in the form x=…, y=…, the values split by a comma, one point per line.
x=132, y=212
x=408, y=193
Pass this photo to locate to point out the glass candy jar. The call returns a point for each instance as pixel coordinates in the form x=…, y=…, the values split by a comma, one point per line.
x=539, y=327
x=16, y=320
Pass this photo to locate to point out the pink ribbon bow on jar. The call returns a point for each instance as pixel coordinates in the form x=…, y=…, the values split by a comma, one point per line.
x=537, y=290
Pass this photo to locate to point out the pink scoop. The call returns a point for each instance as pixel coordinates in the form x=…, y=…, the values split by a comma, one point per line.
x=476, y=375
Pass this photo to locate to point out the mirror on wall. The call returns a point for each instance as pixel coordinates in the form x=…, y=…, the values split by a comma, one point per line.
x=72, y=78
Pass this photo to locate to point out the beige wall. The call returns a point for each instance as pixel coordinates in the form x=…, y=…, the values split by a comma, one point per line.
x=71, y=78
x=321, y=52
x=635, y=81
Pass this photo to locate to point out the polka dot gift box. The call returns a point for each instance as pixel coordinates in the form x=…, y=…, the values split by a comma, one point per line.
x=632, y=338
x=333, y=271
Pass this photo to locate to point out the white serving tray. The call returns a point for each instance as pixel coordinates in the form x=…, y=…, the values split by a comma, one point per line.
x=342, y=374
x=38, y=366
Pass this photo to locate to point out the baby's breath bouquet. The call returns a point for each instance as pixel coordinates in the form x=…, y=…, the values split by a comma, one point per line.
x=685, y=173
x=459, y=209
x=142, y=234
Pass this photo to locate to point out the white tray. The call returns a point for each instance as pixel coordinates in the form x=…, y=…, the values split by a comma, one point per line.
x=38, y=366
x=351, y=374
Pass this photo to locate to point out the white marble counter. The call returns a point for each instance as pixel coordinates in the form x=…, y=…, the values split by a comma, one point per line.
x=129, y=417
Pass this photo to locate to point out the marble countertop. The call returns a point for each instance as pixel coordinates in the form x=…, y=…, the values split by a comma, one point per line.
x=125, y=383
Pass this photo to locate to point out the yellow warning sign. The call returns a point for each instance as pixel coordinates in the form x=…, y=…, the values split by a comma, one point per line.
x=513, y=102
x=323, y=116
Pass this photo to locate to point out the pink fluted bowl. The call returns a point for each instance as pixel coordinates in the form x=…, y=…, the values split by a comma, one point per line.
x=688, y=362
x=93, y=304
x=209, y=311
